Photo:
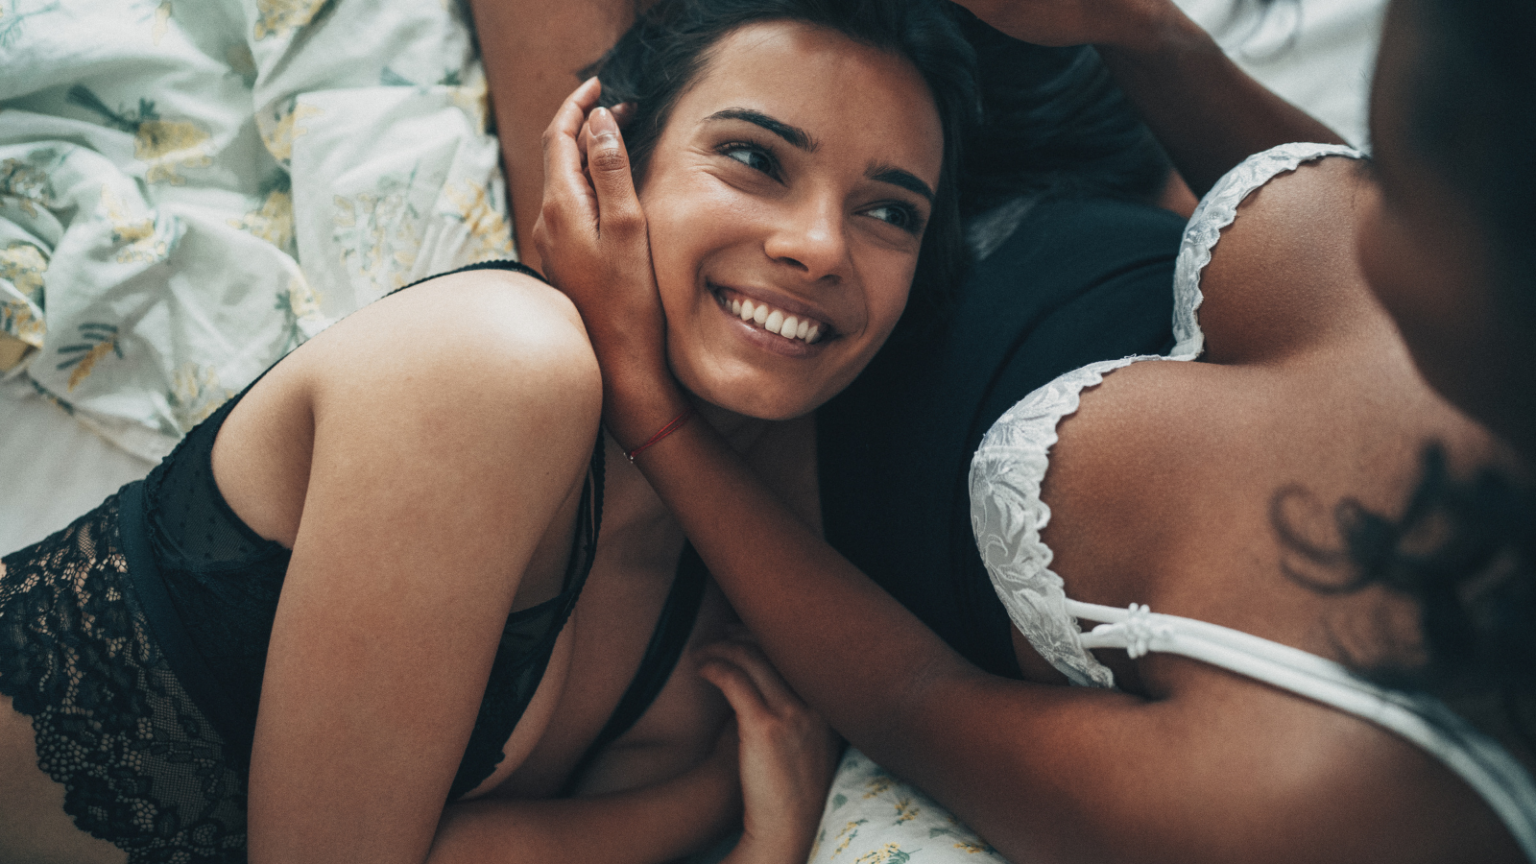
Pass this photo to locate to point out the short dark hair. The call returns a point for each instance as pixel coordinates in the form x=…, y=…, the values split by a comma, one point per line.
x=656, y=62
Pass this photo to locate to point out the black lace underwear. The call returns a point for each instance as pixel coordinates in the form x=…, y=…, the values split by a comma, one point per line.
x=141, y=764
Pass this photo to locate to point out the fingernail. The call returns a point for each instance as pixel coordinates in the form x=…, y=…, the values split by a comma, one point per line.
x=603, y=123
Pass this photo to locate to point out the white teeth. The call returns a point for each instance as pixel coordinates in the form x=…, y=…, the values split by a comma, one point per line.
x=776, y=321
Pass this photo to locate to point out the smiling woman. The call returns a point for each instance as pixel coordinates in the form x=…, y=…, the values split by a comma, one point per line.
x=1323, y=679
x=378, y=567
x=802, y=220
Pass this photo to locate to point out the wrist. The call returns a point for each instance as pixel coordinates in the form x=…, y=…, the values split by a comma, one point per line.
x=639, y=409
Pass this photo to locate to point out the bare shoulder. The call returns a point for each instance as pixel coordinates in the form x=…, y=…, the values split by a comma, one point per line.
x=1302, y=781
x=456, y=367
x=498, y=335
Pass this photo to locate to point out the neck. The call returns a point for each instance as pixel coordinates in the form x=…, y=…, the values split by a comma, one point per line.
x=739, y=430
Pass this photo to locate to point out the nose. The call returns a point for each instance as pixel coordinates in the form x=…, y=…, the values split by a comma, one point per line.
x=810, y=238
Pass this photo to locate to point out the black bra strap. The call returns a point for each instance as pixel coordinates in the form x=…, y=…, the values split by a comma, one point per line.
x=666, y=647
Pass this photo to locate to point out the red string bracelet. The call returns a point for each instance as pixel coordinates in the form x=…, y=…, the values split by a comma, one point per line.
x=676, y=424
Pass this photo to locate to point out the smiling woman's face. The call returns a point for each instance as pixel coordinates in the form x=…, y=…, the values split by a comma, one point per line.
x=786, y=200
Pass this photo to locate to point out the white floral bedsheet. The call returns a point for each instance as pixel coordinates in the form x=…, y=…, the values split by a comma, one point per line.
x=191, y=188
x=873, y=818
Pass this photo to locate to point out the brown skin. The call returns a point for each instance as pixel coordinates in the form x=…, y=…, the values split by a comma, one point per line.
x=1160, y=488
x=384, y=463
x=1423, y=248
x=533, y=52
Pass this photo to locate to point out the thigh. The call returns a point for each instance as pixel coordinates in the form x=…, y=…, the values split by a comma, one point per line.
x=34, y=829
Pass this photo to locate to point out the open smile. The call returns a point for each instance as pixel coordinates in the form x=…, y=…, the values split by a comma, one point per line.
x=796, y=327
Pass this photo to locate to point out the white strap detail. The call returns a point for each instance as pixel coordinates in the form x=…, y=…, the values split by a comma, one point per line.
x=1476, y=758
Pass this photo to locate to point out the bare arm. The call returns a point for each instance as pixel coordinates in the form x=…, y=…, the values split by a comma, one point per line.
x=660, y=822
x=408, y=555
x=534, y=51
x=1207, y=113
x=1045, y=773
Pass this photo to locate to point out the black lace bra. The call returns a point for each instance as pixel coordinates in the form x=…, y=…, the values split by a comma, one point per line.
x=209, y=586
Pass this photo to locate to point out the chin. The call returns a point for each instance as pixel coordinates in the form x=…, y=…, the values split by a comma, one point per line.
x=746, y=397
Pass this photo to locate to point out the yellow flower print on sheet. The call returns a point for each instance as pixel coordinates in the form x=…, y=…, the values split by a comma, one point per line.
x=281, y=128
x=486, y=223
x=165, y=146
x=298, y=303
x=135, y=232
x=22, y=326
x=379, y=232
x=22, y=264
x=26, y=182
x=890, y=853
x=878, y=785
x=162, y=22
x=845, y=836
x=97, y=341
x=281, y=17
x=906, y=811
x=273, y=221
x=964, y=840
x=471, y=98
x=195, y=393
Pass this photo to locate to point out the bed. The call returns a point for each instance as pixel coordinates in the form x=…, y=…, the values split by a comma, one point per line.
x=191, y=188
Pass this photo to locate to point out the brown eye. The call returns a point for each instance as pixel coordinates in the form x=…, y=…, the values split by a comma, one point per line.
x=899, y=215
x=752, y=156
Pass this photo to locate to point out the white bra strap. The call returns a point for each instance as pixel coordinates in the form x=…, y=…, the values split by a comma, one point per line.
x=1476, y=758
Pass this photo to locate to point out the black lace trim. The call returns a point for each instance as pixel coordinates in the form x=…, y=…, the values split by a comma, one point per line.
x=141, y=765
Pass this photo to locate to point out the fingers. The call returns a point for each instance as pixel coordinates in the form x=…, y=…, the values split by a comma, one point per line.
x=608, y=166
x=746, y=666
x=739, y=689
x=569, y=119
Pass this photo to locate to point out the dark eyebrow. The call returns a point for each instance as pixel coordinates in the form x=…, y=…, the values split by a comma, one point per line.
x=797, y=137
x=905, y=179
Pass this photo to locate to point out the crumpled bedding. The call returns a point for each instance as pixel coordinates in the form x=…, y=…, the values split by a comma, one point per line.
x=191, y=188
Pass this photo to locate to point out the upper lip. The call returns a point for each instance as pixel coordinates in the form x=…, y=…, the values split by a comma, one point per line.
x=778, y=300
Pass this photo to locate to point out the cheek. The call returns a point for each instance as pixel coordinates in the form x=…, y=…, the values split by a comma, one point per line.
x=888, y=291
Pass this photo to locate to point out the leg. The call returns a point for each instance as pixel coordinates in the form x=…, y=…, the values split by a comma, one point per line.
x=34, y=829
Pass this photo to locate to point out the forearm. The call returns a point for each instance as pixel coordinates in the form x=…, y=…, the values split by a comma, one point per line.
x=846, y=646
x=1208, y=114
x=641, y=826
x=534, y=51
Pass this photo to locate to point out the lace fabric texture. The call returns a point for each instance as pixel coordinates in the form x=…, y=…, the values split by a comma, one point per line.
x=141, y=764
x=144, y=706
x=1007, y=514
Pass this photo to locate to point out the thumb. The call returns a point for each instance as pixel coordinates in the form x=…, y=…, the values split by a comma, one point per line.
x=618, y=207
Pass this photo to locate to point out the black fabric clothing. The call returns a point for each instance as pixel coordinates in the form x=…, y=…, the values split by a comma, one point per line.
x=1079, y=280
x=136, y=640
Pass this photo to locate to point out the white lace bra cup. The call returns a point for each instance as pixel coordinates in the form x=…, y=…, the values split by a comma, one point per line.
x=1007, y=516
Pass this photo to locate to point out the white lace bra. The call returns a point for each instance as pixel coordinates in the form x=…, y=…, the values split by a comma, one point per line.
x=1007, y=516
